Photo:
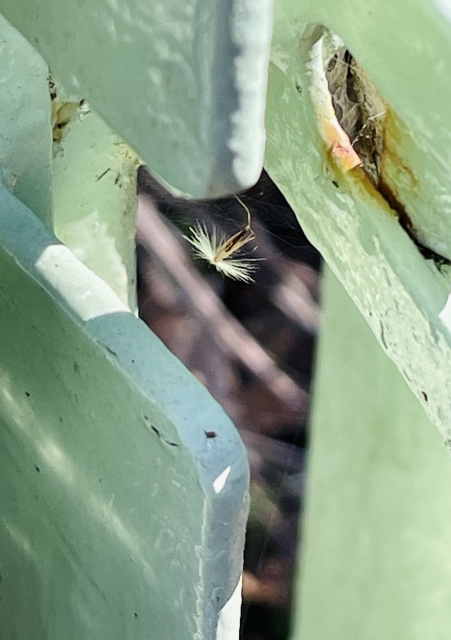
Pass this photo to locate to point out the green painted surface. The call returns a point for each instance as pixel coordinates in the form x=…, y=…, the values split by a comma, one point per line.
x=95, y=199
x=376, y=552
x=182, y=82
x=83, y=184
x=396, y=43
x=403, y=296
x=25, y=123
x=120, y=518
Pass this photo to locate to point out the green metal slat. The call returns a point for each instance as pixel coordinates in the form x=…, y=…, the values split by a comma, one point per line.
x=120, y=518
x=83, y=185
x=183, y=82
x=95, y=200
x=375, y=555
x=25, y=123
x=403, y=296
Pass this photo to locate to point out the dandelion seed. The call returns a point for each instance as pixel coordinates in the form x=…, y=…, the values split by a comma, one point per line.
x=218, y=249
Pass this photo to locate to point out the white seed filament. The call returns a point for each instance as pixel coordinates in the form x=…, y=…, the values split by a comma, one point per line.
x=219, y=250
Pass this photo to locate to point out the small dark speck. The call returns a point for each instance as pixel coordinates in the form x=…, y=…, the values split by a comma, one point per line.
x=100, y=479
x=210, y=434
x=76, y=368
x=298, y=87
x=160, y=435
x=110, y=350
x=27, y=394
x=425, y=395
x=133, y=362
x=135, y=614
x=38, y=469
x=335, y=183
x=103, y=174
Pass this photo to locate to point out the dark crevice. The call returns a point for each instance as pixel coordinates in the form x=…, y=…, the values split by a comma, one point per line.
x=163, y=437
x=406, y=223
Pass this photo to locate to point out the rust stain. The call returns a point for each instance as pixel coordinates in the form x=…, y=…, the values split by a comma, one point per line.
x=394, y=139
x=384, y=192
x=394, y=172
x=374, y=163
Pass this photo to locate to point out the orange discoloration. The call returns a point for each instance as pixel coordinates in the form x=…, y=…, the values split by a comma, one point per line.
x=339, y=144
x=394, y=169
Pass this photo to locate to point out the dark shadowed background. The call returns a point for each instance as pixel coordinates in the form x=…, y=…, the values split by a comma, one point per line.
x=253, y=346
